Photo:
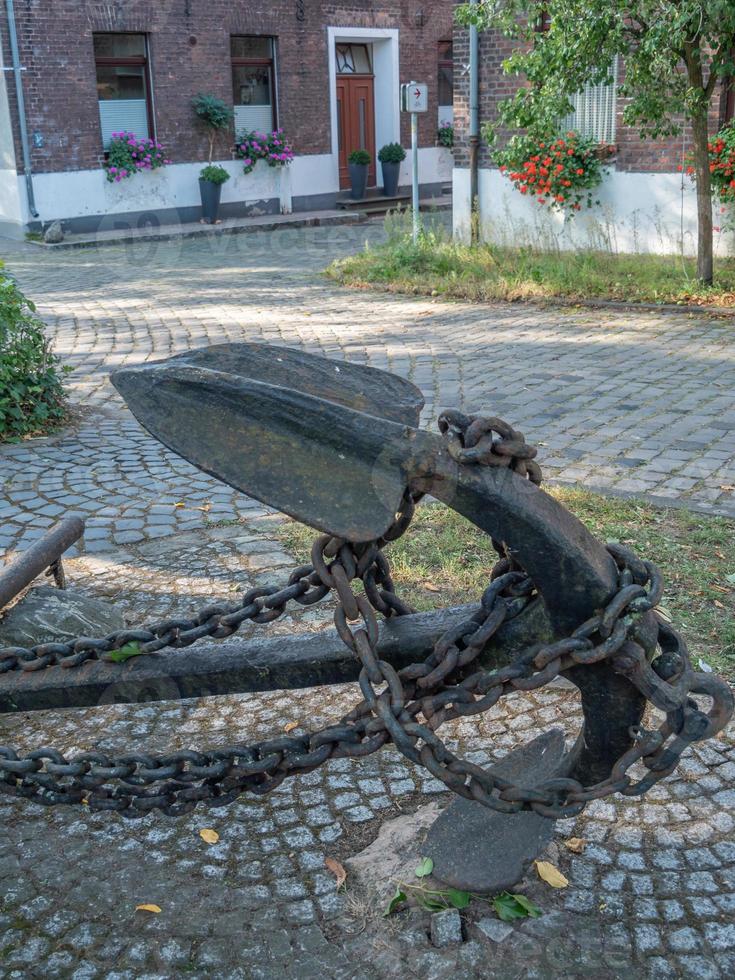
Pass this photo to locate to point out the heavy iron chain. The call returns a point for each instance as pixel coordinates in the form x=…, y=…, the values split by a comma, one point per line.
x=405, y=707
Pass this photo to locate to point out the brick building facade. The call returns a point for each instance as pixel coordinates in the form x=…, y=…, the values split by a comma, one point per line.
x=175, y=49
x=645, y=200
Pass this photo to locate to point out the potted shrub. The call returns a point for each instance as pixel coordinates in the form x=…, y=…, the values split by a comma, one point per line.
x=216, y=116
x=358, y=162
x=445, y=134
x=211, y=179
x=391, y=156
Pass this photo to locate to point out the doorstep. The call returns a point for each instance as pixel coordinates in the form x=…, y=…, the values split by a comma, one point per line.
x=377, y=204
x=228, y=226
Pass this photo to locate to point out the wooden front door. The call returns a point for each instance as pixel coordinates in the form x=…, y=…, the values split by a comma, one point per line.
x=355, y=122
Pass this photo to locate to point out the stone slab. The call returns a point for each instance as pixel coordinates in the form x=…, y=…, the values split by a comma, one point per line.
x=480, y=850
x=46, y=614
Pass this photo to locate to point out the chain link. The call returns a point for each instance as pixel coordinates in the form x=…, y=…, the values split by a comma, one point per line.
x=406, y=707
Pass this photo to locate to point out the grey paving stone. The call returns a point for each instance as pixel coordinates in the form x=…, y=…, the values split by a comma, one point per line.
x=494, y=929
x=446, y=928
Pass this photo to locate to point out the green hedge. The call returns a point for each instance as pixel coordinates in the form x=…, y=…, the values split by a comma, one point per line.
x=31, y=396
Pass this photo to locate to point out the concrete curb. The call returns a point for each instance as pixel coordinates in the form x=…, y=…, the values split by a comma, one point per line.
x=247, y=227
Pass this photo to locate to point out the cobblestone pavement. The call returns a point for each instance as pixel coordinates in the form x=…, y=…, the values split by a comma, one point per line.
x=653, y=893
x=635, y=402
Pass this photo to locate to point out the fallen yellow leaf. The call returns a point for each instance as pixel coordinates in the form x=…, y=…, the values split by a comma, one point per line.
x=180, y=503
x=575, y=844
x=551, y=875
x=290, y=726
x=148, y=908
x=209, y=836
x=333, y=865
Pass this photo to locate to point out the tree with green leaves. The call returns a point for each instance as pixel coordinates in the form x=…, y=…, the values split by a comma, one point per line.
x=675, y=53
x=214, y=114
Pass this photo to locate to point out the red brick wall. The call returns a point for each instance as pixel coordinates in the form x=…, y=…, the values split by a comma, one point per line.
x=633, y=153
x=190, y=52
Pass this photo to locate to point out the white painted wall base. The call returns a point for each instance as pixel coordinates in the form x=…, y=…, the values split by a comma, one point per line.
x=78, y=193
x=86, y=193
x=435, y=166
x=637, y=213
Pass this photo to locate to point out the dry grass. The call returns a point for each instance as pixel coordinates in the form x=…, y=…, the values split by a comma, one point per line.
x=443, y=560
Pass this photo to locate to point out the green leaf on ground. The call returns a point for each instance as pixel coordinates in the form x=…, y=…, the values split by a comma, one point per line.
x=425, y=868
x=397, y=900
x=531, y=908
x=459, y=899
x=124, y=653
x=509, y=907
x=432, y=904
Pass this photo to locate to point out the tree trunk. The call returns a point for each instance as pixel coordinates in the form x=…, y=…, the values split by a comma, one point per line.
x=700, y=154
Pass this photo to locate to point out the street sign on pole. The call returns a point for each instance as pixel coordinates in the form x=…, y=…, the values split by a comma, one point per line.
x=415, y=99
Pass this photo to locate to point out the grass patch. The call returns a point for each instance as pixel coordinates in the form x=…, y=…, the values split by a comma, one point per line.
x=437, y=266
x=443, y=560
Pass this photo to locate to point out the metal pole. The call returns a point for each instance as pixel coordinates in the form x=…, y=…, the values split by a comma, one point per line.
x=474, y=130
x=15, y=55
x=41, y=555
x=415, y=175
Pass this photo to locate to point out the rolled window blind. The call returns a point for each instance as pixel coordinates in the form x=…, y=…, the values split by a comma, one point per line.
x=118, y=115
x=249, y=118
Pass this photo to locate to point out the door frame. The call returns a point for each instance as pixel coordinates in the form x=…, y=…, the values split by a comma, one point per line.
x=386, y=82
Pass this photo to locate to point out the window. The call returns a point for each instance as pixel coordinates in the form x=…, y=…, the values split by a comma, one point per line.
x=594, y=110
x=353, y=59
x=123, y=87
x=446, y=82
x=594, y=106
x=253, y=83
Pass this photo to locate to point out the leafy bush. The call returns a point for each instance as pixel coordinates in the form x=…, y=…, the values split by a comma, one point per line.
x=359, y=157
x=31, y=397
x=272, y=147
x=445, y=135
x=129, y=154
x=560, y=173
x=214, y=174
x=391, y=153
x=214, y=114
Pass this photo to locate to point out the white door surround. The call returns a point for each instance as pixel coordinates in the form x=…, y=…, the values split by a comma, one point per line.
x=386, y=85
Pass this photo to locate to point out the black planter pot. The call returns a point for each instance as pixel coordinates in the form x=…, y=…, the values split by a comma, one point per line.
x=390, y=178
x=210, y=194
x=358, y=180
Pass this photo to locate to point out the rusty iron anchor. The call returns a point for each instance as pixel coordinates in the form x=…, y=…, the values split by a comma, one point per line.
x=338, y=447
